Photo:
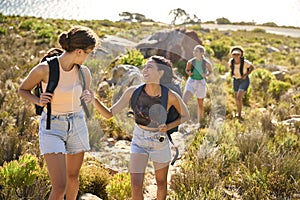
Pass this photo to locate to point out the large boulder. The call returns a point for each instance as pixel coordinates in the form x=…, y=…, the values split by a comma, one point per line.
x=113, y=45
x=175, y=44
x=123, y=76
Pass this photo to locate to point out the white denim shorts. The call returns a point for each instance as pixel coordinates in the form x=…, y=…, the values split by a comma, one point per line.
x=68, y=134
x=197, y=87
x=147, y=143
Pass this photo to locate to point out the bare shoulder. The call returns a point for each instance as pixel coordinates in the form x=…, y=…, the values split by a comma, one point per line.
x=41, y=69
x=129, y=91
x=173, y=95
x=190, y=61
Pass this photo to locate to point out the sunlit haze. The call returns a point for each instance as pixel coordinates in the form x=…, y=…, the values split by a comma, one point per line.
x=281, y=12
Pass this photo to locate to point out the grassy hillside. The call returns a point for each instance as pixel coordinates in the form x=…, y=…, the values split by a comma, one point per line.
x=256, y=159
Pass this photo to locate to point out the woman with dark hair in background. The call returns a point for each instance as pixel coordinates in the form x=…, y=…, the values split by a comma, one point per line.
x=240, y=70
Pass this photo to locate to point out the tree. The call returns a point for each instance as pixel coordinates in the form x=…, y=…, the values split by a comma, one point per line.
x=179, y=14
x=194, y=20
x=137, y=17
x=126, y=15
x=223, y=20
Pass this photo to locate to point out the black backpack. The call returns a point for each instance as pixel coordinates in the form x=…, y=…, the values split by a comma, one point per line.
x=52, y=84
x=172, y=113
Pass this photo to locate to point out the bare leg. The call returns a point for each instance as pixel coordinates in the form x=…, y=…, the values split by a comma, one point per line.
x=56, y=165
x=239, y=101
x=74, y=162
x=138, y=163
x=187, y=95
x=200, y=109
x=161, y=175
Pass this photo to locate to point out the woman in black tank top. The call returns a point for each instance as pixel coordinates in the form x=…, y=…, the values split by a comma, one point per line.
x=148, y=117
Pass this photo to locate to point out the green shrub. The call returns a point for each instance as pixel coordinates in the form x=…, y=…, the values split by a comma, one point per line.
x=133, y=57
x=220, y=49
x=27, y=25
x=3, y=31
x=93, y=179
x=20, y=179
x=221, y=68
x=277, y=88
x=295, y=79
x=259, y=30
x=180, y=66
x=119, y=187
x=260, y=80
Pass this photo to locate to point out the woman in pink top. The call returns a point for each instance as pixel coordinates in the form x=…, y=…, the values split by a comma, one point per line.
x=64, y=144
x=240, y=69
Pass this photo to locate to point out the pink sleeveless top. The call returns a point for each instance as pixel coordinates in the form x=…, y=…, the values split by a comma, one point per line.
x=66, y=98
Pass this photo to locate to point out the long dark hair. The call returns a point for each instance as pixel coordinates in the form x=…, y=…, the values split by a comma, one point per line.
x=242, y=60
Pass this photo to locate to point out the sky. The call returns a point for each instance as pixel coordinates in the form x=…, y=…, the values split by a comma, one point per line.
x=281, y=12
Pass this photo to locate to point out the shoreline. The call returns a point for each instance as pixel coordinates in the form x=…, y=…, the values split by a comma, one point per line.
x=292, y=32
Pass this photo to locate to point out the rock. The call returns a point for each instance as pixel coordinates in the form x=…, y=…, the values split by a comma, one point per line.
x=176, y=44
x=127, y=75
x=272, y=49
x=123, y=76
x=279, y=75
x=89, y=196
x=113, y=45
x=103, y=88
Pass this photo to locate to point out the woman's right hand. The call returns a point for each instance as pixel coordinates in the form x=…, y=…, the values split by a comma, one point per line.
x=45, y=98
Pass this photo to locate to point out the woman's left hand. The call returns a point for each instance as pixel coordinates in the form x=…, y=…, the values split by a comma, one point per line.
x=162, y=128
x=244, y=76
x=87, y=96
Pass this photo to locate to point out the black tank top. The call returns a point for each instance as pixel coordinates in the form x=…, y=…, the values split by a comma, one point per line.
x=147, y=111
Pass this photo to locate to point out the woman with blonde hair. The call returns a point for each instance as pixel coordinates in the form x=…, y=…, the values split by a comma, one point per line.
x=198, y=69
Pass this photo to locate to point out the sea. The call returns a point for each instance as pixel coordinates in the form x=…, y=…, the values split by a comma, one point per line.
x=55, y=9
x=89, y=10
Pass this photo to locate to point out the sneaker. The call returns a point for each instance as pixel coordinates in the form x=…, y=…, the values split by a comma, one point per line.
x=240, y=118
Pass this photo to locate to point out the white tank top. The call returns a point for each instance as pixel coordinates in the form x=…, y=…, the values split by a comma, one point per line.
x=66, y=98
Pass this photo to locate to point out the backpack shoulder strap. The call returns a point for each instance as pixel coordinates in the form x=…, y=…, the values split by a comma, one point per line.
x=193, y=64
x=135, y=95
x=204, y=62
x=82, y=78
x=164, y=102
x=164, y=97
x=53, y=74
x=52, y=84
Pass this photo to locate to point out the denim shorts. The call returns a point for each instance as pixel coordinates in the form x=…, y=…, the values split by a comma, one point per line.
x=241, y=84
x=68, y=134
x=197, y=87
x=147, y=143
